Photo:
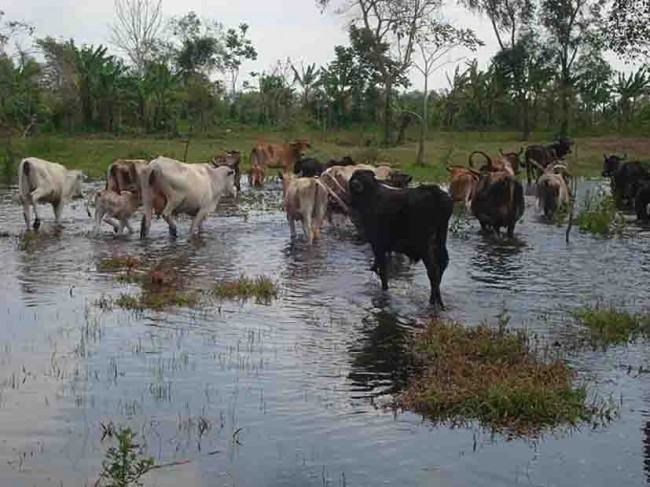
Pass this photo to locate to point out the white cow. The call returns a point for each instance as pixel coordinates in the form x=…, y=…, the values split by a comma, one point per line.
x=116, y=209
x=552, y=190
x=41, y=181
x=173, y=187
x=305, y=200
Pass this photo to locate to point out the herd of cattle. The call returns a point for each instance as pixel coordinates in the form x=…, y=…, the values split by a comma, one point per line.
x=392, y=216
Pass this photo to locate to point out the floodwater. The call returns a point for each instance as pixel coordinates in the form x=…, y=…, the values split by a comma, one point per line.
x=292, y=393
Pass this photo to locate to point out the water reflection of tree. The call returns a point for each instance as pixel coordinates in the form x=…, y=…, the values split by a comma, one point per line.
x=380, y=364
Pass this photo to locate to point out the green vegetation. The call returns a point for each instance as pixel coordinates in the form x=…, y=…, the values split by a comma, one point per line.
x=262, y=288
x=609, y=325
x=124, y=464
x=598, y=215
x=158, y=300
x=117, y=263
x=491, y=375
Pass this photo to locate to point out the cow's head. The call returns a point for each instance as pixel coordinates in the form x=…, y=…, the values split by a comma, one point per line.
x=611, y=164
x=77, y=184
x=299, y=145
x=362, y=183
x=563, y=146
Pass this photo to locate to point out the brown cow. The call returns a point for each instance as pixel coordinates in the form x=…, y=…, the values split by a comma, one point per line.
x=463, y=184
x=256, y=175
x=502, y=164
x=124, y=175
x=279, y=155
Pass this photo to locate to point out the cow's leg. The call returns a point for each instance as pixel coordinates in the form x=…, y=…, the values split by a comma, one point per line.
x=117, y=226
x=168, y=215
x=435, y=263
x=173, y=231
x=306, y=227
x=27, y=212
x=99, y=216
x=197, y=222
x=511, y=228
x=292, y=226
x=126, y=223
x=381, y=263
x=35, y=196
x=58, y=209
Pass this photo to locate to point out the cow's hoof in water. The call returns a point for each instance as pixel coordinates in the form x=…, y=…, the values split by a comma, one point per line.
x=173, y=232
x=37, y=224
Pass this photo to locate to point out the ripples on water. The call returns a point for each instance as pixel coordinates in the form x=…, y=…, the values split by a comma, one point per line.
x=291, y=390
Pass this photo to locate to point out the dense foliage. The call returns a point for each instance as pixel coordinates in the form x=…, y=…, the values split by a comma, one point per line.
x=550, y=74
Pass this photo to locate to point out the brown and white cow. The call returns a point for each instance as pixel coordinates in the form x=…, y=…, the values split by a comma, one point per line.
x=305, y=200
x=174, y=187
x=41, y=181
x=552, y=190
x=279, y=155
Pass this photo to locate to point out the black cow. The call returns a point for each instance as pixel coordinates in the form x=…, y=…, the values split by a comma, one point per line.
x=545, y=155
x=308, y=167
x=412, y=221
x=642, y=202
x=498, y=202
x=612, y=164
x=626, y=181
x=345, y=161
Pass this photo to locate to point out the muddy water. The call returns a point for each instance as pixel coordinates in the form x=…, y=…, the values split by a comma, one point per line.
x=291, y=393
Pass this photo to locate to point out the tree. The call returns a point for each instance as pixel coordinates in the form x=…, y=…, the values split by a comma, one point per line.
x=10, y=29
x=510, y=18
x=307, y=78
x=200, y=48
x=90, y=63
x=237, y=48
x=570, y=25
x=385, y=31
x=627, y=28
x=136, y=28
x=435, y=42
x=629, y=89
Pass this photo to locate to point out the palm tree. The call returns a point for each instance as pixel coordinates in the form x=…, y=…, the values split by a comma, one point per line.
x=629, y=89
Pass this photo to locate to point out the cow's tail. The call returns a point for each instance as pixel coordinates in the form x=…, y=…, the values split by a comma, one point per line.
x=24, y=180
x=147, y=179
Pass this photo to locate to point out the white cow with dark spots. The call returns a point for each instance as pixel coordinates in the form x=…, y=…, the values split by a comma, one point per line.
x=41, y=181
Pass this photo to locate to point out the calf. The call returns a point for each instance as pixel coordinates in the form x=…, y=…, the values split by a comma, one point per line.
x=498, y=201
x=552, y=190
x=231, y=159
x=642, y=202
x=463, y=184
x=279, y=155
x=544, y=155
x=411, y=221
x=41, y=181
x=305, y=200
x=308, y=167
x=119, y=207
x=191, y=189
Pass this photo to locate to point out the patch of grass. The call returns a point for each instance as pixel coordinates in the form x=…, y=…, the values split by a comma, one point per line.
x=262, y=288
x=157, y=300
x=491, y=375
x=609, y=325
x=118, y=263
x=124, y=464
x=598, y=215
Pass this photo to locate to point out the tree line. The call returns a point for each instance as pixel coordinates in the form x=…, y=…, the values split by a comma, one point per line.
x=183, y=74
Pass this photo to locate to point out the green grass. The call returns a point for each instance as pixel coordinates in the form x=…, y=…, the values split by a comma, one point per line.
x=158, y=300
x=598, y=215
x=609, y=325
x=492, y=376
x=93, y=154
x=118, y=263
x=262, y=288
x=124, y=464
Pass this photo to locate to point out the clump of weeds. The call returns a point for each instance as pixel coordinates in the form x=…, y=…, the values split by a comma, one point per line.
x=493, y=375
x=119, y=263
x=158, y=300
x=262, y=288
x=124, y=464
x=609, y=325
x=598, y=215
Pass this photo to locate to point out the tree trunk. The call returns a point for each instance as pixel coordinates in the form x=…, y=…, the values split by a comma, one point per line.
x=424, y=124
x=564, y=94
x=387, y=114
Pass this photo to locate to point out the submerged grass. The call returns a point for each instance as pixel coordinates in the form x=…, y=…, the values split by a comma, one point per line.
x=262, y=288
x=492, y=375
x=598, y=215
x=118, y=263
x=609, y=325
x=158, y=300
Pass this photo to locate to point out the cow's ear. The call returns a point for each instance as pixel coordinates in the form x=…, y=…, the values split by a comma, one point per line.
x=356, y=186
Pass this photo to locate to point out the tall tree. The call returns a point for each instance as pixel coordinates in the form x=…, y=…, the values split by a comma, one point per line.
x=510, y=18
x=136, y=28
x=627, y=30
x=237, y=49
x=9, y=29
x=386, y=30
x=435, y=42
x=570, y=25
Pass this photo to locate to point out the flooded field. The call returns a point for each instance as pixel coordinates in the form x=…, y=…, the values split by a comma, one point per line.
x=291, y=393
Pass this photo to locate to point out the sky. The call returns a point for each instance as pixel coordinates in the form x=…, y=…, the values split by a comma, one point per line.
x=279, y=29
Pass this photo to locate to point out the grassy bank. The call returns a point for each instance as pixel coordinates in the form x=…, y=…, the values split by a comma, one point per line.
x=94, y=154
x=494, y=377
